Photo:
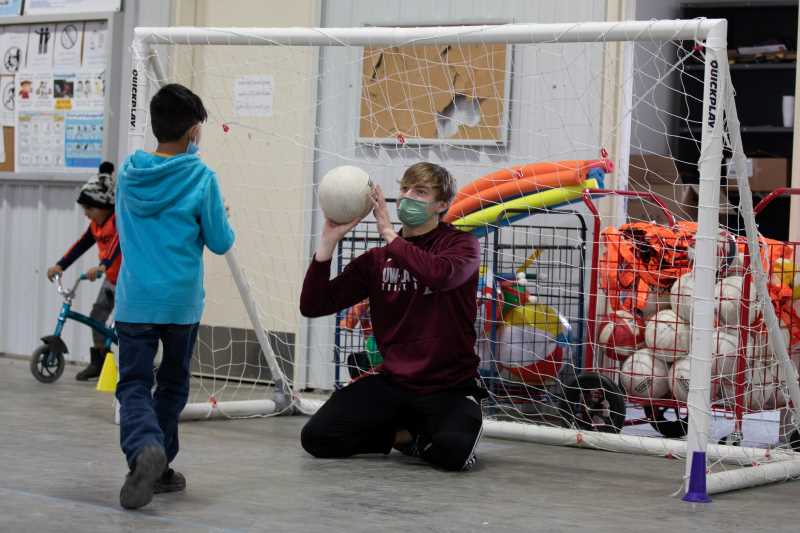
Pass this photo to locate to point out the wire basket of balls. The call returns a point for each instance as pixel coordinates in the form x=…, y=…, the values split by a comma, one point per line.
x=641, y=319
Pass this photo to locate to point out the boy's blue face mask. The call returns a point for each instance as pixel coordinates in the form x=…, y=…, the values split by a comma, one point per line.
x=192, y=148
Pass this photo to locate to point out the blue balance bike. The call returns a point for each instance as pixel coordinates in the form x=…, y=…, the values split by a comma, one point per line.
x=47, y=361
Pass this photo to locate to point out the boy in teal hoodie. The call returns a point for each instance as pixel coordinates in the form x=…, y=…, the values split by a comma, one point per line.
x=169, y=207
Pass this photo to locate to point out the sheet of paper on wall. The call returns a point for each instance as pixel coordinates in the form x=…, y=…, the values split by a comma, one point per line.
x=68, y=42
x=59, y=120
x=41, y=46
x=39, y=141
x=82, y=91
x=10, y=8
x=95, y=42
x=34, y=91
x=83, y=143
x=46, y=7
x=7, y=92
x=13, y=47
x=252, y=96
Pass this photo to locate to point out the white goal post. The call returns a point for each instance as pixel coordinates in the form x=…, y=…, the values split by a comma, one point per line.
x=719, y=130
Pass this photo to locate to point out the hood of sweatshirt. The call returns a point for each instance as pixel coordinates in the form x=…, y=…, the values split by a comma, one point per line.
x=152, y=183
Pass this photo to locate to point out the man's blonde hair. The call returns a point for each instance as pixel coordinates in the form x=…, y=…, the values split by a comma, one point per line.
x=434, y=176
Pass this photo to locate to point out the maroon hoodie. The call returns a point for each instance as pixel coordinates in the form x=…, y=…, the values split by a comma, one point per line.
x=422, y=303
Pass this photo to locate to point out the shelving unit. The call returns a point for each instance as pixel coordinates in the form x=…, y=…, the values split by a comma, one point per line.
x=760, y=88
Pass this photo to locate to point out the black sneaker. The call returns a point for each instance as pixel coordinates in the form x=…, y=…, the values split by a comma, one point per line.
x=90, y=372
x=471, y=462
x=415, y=447
x=170, y=481
x=137, y=491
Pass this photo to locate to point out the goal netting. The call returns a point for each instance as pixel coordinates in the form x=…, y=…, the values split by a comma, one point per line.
x=619, y=304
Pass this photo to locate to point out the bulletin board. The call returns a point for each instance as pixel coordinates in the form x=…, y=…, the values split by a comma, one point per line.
x=435, y=94
x=54, y=94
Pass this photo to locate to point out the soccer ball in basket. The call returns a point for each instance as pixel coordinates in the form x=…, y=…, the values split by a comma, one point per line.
x=620, y=334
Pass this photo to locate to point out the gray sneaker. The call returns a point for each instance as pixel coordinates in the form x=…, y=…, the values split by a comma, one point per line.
x=137, y=491
x=470, y=464
x=169, y=481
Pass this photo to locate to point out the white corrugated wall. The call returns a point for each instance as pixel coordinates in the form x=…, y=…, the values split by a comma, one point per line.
x=38, y=223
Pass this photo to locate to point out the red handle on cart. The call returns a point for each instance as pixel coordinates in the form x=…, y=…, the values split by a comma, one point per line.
x=588, y=193
x=780, y=191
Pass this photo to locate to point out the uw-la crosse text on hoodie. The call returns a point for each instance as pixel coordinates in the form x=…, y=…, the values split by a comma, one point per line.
x=421, y=292
x=168, y=209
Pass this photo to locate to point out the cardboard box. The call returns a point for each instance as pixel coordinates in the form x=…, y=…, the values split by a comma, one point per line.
x=680, y=200
x=766, y=173
x=659, y=175
x=652, y=169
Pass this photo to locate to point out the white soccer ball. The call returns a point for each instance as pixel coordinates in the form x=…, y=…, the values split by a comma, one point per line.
x=728, y=295
x=667, y=335
x=781, y=388
x=344, y=194
x=656, y=301
x=728, y=256
x=619, y=334
x=644, y=376
x=759, y=376
x=725, y=362
x=679, y=379
x=765, y=358
x=761, y=388
x=680, y=296
x=760, y=342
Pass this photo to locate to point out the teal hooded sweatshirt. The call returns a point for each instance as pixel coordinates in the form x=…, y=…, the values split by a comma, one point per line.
x=167, y=210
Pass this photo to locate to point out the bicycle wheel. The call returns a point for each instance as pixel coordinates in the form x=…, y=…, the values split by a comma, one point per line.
x=46, y=364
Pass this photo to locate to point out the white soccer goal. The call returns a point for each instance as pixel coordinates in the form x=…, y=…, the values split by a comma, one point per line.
x=606, y=317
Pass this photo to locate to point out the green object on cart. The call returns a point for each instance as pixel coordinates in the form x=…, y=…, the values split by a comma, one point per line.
x=375, y=357
x=514, y=295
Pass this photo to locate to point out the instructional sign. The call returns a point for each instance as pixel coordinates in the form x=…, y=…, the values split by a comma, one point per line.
x=95, y=41
x=7, y=97
x=13, y=48
x=41, y=43
x=49, y=7
x=68, y=42
x=10, y=8
x=59, y=120
x=252, y=96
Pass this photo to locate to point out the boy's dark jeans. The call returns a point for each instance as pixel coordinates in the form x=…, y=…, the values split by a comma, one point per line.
x=146, y=417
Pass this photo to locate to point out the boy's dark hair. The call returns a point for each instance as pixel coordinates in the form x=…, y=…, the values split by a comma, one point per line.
x=174, y=110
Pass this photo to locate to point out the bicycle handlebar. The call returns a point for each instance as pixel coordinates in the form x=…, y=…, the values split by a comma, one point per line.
x=71, y=292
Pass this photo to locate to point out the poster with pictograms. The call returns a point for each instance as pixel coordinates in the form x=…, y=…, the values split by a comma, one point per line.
x=13, y=49
x=59, y=120
x=68, y=42
x=10, y=8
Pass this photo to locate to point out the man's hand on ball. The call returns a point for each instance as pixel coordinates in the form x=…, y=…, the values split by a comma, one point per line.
x=333, y=232
x=381, y=212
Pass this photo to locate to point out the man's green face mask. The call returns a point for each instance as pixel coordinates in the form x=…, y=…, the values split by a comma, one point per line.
x=413, y=212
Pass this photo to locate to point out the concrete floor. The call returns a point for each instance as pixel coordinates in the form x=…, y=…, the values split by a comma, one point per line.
x=61, y=470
